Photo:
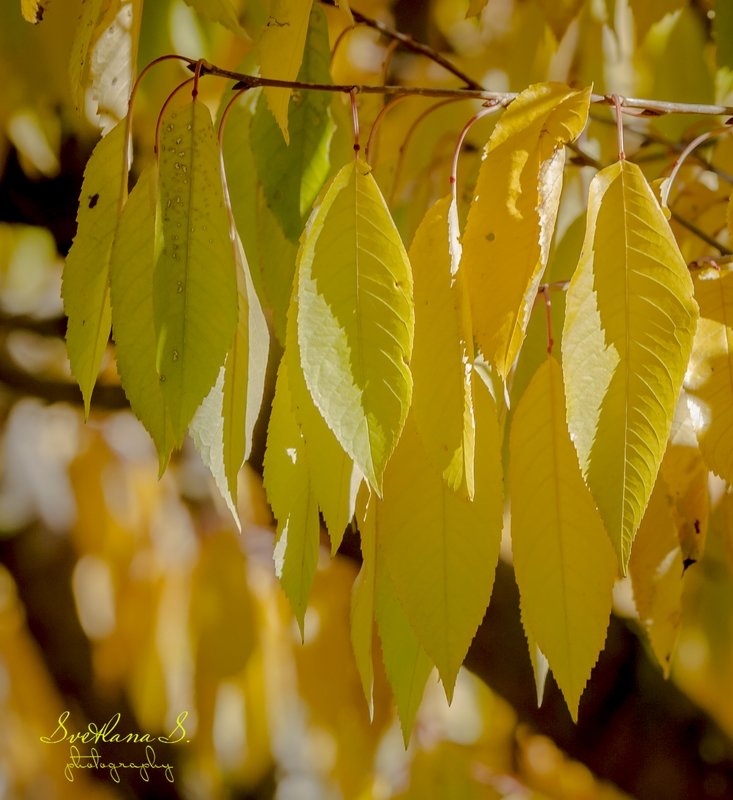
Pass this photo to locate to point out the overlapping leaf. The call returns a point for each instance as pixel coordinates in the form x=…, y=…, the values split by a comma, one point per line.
x=628, y=332
x=221, y=11
x=335, y=480
x=442, y=409
x=86, y=274
x=195, y=290
x=445, y=590
x=288, y=486
x=293, y=174
x=355, y=319
x=133, y=260
x=33, y=10
x=281, y=52
x=563, y=561
x=656, y=571
x=512, y=217
x=709, y=378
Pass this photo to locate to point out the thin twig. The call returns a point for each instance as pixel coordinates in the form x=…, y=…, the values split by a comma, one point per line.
x=705, y=237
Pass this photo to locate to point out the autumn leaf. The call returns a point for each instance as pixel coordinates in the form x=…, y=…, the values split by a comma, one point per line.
x=627, y=338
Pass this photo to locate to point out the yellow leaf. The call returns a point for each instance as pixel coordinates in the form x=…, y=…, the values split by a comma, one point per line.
x=440, y=548
x=709, y=377
x=223, y=424
x=647, y=12
x=335, y=480
x=134, y=255
x=475, y=7
x=362, y=597
x=195, y=289
x=33, y=10
x=355, y=319
x=686, y=480
x=512, y=218
x=221, y=11
x=442, y=409
x=288, y=486
x=563, y=561
x=103, y=58
x=656, y=571
x=627, y=337
x=281, y=52
x=86, y=274
x=560, y=13
x=406, y=663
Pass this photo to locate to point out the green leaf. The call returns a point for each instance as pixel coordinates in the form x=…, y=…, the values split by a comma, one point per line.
x=133, y=260
x=195, y=291
x=287, y=481
x=443, y=409
x=627, y=338
x=563, y=561
x=355, y=319
x=86, y=275
x=512, y=217
x=281, y=52
x=292, y=174
x=439, y=547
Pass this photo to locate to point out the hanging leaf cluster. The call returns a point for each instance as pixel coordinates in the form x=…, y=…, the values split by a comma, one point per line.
x=412, y=398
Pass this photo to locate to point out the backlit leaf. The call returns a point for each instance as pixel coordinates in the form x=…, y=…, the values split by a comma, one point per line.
x=293, y=174
x=444, y=585
x=103, y=58
x=355, y=319
x=563, y=561
x=133, y=260
x=647, y=12
x=405, y=662
x=195, y=290
x=86, y=274
x=281, y=52
x=288, y=486
x=442, y=409
x=656, y=571
x=512, y=218
x=686, y=479
x=362, y=598
x=475, y=7
x=628, y=332
x=709, y=377
x=335, y=480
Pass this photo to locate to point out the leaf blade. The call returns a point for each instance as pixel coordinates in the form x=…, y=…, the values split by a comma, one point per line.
x=627, y=337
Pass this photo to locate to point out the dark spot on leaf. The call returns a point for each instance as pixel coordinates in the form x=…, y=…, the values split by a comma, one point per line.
x=490, y=236
x=39, y=13
x=687, y=563
x=272, y=22
x=697, y=526
x=93, y=199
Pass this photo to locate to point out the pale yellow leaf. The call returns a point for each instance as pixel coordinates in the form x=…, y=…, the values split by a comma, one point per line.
x=512, y=217
x=564, y=563
x=33, y=10
x=86, y=274
x=628, y=331
x=442, y=409
x=281, y=52
x=288, y=486
x=560, y=13
x=355, y=319
x=136, y=250
x=656, y=571
x=195, y=283
x=709, y=377
x=439, y=547
x=335, y=480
